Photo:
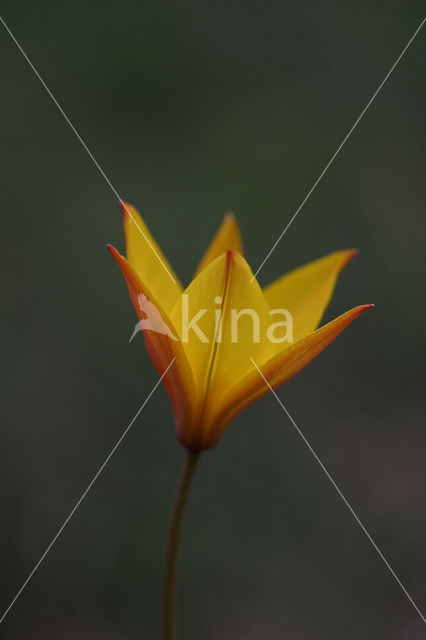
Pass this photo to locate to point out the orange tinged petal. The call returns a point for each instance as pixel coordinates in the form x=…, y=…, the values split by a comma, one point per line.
x=147, y=259
x=278, y=370
x=227, y=237
x=163, y=344
x=306, y=291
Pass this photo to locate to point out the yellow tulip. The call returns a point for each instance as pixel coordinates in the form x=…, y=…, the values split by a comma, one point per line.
x=217, y=342
x=213, y=377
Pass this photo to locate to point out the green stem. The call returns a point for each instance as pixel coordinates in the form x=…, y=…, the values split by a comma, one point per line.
x=172, y=551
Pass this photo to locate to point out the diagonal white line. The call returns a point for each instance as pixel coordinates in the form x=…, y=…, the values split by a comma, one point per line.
x=333, y=157
x=83, y=495
x=340, y=494
x=108, y=181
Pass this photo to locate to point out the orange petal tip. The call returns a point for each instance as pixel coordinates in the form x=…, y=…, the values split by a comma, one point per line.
x=350, y=254
x=124, y=208
x=113, y=251
x=364, y=307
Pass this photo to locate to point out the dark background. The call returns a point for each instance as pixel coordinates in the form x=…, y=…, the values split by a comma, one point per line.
x=192, y=109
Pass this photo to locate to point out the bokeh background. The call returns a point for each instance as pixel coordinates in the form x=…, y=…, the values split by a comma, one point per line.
x=193, y=109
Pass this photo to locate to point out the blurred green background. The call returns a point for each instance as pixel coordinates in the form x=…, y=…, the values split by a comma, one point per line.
x=193, y=109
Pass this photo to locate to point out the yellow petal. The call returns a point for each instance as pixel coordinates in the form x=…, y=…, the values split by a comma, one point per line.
x=147, y=259
x=219, y=345
x=227, y=237
x=163, y=345
x=306, y=291
x=278, y=370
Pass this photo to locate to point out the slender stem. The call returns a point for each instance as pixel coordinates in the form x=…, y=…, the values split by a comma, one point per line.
x=172, y=551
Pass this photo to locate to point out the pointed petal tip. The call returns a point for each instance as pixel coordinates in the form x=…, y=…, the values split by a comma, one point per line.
x=350, y=254
x=364, y=307
x=124, y=207
x=113, y=251
x=226, y=237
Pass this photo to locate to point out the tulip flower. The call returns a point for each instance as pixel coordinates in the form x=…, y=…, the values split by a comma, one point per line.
x=218, y=332
x=213, y=379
